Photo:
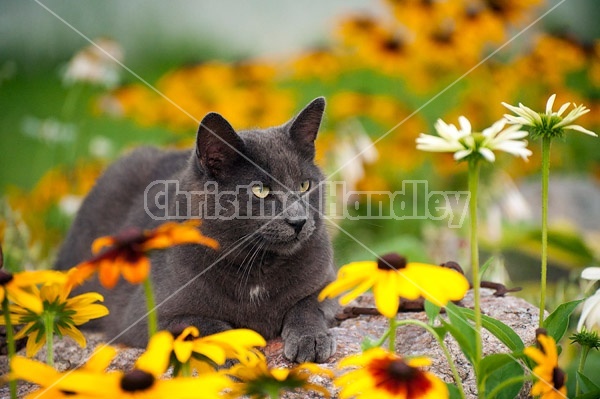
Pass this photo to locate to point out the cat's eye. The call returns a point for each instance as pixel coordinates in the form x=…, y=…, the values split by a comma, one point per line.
x=305, y=186
x=260, y=191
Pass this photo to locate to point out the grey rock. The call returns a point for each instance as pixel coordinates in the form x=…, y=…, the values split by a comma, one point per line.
x=410, y=341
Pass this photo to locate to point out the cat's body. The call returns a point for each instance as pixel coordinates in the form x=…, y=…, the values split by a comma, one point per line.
x=267, y=272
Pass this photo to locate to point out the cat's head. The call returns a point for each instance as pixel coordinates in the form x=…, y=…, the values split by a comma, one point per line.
x=266, y=184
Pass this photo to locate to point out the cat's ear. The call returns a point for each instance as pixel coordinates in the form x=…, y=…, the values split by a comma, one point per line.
x=218, y=146
x=306, y=125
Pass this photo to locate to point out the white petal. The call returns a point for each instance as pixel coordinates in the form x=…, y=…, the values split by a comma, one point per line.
x=591, y=273
x=465, y=125
x=517, y=120
x=514, y=109
x=550, y=103
x=493, y=130
x=581, y=129
x=590, y=313
x=447, y=131
x=528, y=113
x=487, y=154
x=563, y=109
x=427, y=142
x=458, y=155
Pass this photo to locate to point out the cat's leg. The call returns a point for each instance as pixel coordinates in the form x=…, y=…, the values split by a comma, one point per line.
x=305, y=331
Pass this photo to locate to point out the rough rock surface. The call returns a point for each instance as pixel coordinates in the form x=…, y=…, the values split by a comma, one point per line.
x=411, y=340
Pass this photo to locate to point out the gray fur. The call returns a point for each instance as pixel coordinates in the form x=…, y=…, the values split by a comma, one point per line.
x=269, y=283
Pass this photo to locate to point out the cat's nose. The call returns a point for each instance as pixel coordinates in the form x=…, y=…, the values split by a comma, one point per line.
x=297, y=223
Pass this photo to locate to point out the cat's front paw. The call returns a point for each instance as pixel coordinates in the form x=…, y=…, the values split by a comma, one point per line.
x=309, y=347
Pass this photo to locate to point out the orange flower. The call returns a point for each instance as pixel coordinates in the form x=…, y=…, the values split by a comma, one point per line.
x=125, y=253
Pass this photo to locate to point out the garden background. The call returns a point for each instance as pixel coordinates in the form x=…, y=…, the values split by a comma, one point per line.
x=386, y=68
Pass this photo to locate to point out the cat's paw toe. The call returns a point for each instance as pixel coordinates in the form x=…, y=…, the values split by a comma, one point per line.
x=310, y=348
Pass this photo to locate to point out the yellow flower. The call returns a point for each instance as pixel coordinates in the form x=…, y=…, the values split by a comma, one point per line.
x=256, y=380
x=381, y=374
x=142, y=382
x=66, y=313
x=125, y=253
x=391, y=277
x=56, y=385
x=16, y=287
x=551, y=379
x=217, y=348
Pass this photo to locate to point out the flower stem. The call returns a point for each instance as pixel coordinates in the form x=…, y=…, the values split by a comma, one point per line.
x=473, y=185
x=152, y=322
x=546, y=141
x=584, y=353
x=440, y=341
x=392, y=335
x=10, y=343
x=49, y=329
x=186, y=369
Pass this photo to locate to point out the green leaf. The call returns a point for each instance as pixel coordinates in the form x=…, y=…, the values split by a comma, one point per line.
x=590, y=395
x=485, y=266
x=462, y=331
x=497, y=328
x=510, y=370
x=491, y=363
x=586, y=383
x=453, y=390
x=432, y=311
x=557, y=323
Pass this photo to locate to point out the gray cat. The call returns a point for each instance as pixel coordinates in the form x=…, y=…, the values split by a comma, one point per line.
x=268, y=271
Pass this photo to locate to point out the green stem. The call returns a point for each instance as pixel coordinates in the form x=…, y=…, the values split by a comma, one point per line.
x=152, y=322
x=473, y=185
x=440, y=341
x=10, y=343
x=546, y=141
x=186, y=369
x=392, y=336
x=584, y=353
x=514, y=380
x=49, y=329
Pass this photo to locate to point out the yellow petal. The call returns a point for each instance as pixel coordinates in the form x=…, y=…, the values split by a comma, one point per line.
x=26, y=300
x=214, y=352
x=32, y=371
x=32, y=346
x=100, y=359
x=88, y=312
x=438, y=388
x=358, y=290
x=419, y=361
x=183, y=350
x=385, y=293
x=75, y=334
x=156, y=358
x=280, y=374
x=108, y=274
x=102, y=242
x=137, y=273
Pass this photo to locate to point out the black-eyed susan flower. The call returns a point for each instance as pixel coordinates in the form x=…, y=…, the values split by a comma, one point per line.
x=56, y=385
x=550, y=378
x=59, y=315
x=256, y=380
x=126, y=253
x=391, y=277
x=202, y=352
x=380, y=374
x=143, y=381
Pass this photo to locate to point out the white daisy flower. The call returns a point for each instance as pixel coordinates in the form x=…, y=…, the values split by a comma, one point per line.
x=590, y=314
x=464, y=142
x=550, y=123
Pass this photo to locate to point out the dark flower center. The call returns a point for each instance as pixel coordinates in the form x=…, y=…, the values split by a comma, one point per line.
x=395, y=377
x=538, y=332
x=68, y=393
x=137, y=380
x=453, y=265
x=391, y=261
x=392, y=45
x=129, y=237
x=5, y=277
x=558, y=378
